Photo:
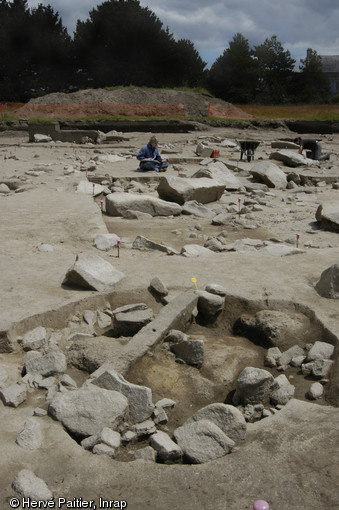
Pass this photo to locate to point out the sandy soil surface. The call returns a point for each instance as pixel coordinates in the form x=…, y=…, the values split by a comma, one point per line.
x=290, y=459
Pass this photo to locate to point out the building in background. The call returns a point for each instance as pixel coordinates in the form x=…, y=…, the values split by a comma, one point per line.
x=330, y=65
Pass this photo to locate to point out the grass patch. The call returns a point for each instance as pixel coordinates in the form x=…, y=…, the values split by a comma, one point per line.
x=101, y=118
x=8, y=117
x=323, y=112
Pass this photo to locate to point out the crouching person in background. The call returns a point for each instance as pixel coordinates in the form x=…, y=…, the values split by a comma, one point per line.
x=312, y=146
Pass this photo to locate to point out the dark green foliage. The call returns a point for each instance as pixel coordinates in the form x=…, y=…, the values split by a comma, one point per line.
x=313, y=84
x=123, y=43
x=275, y=72
x=36, y=55
x=233, y=76
x=260, y=75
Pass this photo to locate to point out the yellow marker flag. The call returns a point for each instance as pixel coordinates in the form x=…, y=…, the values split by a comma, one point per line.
x=194, y=280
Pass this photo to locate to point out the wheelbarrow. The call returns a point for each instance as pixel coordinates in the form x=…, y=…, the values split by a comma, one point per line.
x=248, y=147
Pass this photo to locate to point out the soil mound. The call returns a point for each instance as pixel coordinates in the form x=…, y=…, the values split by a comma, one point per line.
x=122, y=101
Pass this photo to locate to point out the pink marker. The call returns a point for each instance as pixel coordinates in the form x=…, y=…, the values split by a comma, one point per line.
x=260, y=504
x=102, y=204
x=93, y=187
x=298, y=235
x=118, y=243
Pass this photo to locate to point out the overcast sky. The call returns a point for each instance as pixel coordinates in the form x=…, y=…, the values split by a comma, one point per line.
x=210, y=25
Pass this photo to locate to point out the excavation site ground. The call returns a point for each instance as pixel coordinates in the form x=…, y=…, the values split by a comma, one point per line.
x=56, y=205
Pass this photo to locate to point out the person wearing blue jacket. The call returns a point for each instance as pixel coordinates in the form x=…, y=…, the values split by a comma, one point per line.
x=150, y=158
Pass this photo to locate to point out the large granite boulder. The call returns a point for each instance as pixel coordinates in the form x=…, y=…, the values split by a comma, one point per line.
x=210, y=305
x=117, y=204
x=166, y=448
x=219, y=172
x=181, y=190
x=105, y=242
x=92, y=272
x=49, y=364
x=139, y=397
x=86, y=411
x=270, y=174
x=254, y=386
x=276, y=328
x=34, y=339
x=320, y=350
x=283, y=390
x=227, y=417
x=91, y=353
x=328, y=216
x=28, y=485
x=202, y=441
x=328, y=284
x=190, y=351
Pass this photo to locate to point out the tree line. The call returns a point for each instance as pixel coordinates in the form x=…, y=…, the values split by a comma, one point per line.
x=123, y=43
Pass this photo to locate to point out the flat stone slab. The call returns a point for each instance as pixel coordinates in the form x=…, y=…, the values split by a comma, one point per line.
x=144, y=244
x=280, y=250
x=195, y=250
x=90, y=188
x=196, y=209
x=176, y=315
x=130, y=322
x=291, y=158
x=117, y=204
x=181, y=190
x=13, y=395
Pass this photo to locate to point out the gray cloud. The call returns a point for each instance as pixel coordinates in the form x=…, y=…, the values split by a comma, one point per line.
x=210, y=25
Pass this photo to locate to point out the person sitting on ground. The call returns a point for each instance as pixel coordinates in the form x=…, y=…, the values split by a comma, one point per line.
x=312, y=145
x=150, y=158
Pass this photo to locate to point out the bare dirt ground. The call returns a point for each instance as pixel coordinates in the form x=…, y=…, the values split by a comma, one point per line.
x=289, y=459
x=137, y=101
